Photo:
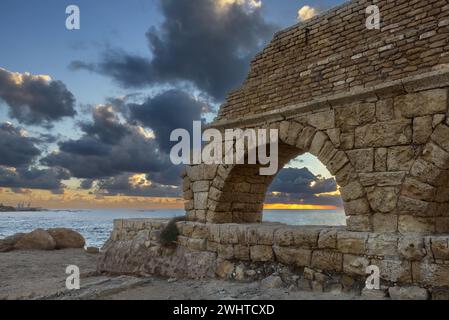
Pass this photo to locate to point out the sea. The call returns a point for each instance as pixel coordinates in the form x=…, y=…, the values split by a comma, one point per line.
x=96, y=225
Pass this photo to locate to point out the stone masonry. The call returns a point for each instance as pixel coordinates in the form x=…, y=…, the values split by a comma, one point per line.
x=334, y=256
x=372, y=106
x=335, y=52
x=388, y=148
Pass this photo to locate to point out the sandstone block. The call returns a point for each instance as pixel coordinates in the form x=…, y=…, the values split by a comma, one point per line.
x=357, y=207
x=422, y=129
x=394, y=270
x=327, y=260
x=409, y=223
x=293, y=133
x=362, y=159
x=415, y=189
x=384, y=110
x=338, y=161
x=261, y=253
x=241, y=252
x=305, y=237
x=292, y=256
x=284, y=237
x=263, y=235
x=322, y=120
x=408, y=293
x=431, y=274
x=440, y=247
x=225, y=251
x=355, y=265
x=385, y=222
x=305, y=138
x=382, y=245
x=359, y=223
x=382, y=179
x=318, y=142
x=421, y=103
x=352, y=242
x=412, y=248
x=327, y=239
x=441, y=136
x=352, y=191
x=436, y=155
x=383, y=199
x=383, y=134
x=380, y=159
x=407, y=205
x=200, y=186
x=400, y=158
x=200, y=200
x=428, y=172
x=355, y=114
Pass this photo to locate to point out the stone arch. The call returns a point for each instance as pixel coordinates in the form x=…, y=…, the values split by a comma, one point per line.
x=236, y=193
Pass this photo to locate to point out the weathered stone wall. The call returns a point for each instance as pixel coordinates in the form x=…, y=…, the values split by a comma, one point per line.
x=335, y=53
x=387, y=146
x=316, y=255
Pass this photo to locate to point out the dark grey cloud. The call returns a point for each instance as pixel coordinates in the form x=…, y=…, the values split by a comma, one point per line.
x=127, y=185
x=87, y=184
x=33, y=178
x=96, y=156
x=35, y=100
x=106, y=126
x=16, y=149
x=197, y=43
x=166, y=112
x=293, y=185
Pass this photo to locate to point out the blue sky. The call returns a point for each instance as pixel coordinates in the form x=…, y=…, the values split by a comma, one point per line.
x=34, y=40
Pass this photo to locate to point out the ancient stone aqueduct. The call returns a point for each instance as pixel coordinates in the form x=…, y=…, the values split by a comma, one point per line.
x=372, y=105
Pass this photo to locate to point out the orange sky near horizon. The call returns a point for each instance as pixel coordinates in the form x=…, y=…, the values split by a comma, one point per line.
x=81, y=199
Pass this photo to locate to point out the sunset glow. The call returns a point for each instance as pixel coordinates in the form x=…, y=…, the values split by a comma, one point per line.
x=286, y=206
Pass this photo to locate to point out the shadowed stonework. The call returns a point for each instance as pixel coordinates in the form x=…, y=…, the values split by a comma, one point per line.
x=372, y=106
x=387, y=147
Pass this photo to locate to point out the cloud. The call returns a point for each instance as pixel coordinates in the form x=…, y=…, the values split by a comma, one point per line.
x=95, y=155
x=33, y=178
x=293, y=185
x=106, y=126
x=306, y=13
x=207, y=43
x=35, y=99
x=136, y=185
x=16, y=149
x=166, y=112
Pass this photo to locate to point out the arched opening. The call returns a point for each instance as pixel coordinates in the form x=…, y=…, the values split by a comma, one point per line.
x=237, y=193
x=304, y=192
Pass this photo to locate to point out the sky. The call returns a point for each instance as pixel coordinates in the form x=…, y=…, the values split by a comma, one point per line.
x=85, y=115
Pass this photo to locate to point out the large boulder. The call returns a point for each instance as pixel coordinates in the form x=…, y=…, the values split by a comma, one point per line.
x=67, y=238
x=8, y=243
x=39, y=239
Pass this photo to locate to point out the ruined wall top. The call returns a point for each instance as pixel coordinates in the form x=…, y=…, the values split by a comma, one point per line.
x=335, y=53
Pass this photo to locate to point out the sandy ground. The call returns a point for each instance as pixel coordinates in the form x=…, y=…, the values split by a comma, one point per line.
x=41, y=275
x=29, y=274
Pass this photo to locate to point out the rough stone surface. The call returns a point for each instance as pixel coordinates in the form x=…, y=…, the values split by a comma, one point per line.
x=408, y=293
x=38, y=239
x=67, y=238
